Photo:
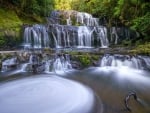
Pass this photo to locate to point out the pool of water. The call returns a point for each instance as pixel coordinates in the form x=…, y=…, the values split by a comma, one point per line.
x=113, y=84
x=92, y=90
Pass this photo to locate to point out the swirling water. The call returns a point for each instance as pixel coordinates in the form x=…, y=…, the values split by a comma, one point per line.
x=103, y=88
x=45, y=94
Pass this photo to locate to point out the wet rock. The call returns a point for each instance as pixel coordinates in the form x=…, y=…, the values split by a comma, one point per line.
x=76, y=65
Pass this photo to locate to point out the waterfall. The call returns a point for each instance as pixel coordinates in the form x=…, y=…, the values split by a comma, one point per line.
x=86, y=19
x=9, y=64
x=69, y=21
x=23, y=67
x=67, y=29
x=101, y=36
x=114, y=35
x=136, y=62
x=36, y=36
x=84, y=37
x=81, y=33
x=57, y=64
x=61, y=64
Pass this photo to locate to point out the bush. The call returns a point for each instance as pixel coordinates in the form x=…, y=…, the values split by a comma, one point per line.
x=142, y=24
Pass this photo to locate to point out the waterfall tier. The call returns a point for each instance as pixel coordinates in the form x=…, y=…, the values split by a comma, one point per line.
x=60, y=36
x=137, y=62
x=56, y=64
x=74, y=18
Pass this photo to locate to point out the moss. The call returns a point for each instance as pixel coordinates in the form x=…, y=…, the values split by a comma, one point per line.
x=85, y=60
x=141, y=49
x=72, y=53
x=95, y=57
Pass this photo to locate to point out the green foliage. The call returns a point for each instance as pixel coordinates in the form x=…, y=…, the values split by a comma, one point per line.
x=10, y=26
x=9, y=19
x=131, y=13
x=2, y=42
x=32, y=7
x=85, y=60
x=63, y=4
x=142, y=24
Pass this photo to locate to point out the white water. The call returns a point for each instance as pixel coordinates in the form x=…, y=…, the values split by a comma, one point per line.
x=6, y=64
x=86, y=19
x=101, y=36
x=84, y=37
x=36, y=36
x=59, y=65
x=114, y=35
x=45, y=95
x=124, y=67
x=135, y=62
x=62, y=36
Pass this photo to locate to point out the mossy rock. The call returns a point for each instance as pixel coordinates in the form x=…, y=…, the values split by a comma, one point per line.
x=85, y=60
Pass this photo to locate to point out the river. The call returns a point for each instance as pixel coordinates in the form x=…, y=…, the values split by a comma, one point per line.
x=62, y=89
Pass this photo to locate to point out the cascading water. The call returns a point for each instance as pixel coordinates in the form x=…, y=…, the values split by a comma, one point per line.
x=36, y=37
x=114, y=35
x=86, y=19
x=136, y=62
x=81, y=31
x=59, y=65
x=101, y=36
x=84, y=37
x=73, y=29
x=81, y=36
x=9, y=64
